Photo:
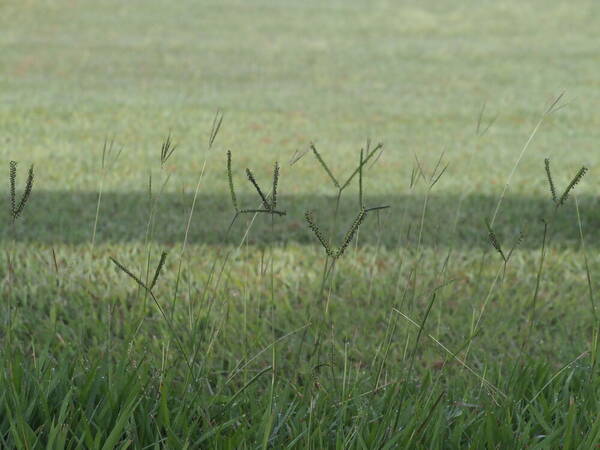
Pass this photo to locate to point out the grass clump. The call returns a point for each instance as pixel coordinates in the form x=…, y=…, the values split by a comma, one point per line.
x=244, y=354
x=505, y=357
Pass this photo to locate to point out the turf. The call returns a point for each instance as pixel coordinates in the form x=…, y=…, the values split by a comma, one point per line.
x=243, y=343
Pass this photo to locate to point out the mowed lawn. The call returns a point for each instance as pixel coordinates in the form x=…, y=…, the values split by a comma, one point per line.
x=244, y=343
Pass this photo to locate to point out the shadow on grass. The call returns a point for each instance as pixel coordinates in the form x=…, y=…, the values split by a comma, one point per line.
x=67, y=217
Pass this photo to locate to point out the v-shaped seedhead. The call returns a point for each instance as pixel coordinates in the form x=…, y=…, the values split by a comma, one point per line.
x=17, y=208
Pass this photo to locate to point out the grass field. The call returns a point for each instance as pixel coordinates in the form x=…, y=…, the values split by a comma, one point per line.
x=418, y=336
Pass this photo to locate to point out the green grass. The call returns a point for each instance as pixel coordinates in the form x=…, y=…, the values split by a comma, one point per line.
x=419, y=336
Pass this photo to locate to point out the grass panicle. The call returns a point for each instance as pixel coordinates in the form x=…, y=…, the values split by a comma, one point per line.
x=576, y=179
x=214, y=129
x=275, y=182
x=317, y=231
x=166, y=150
x=331, y=252
x=159, y=267
x=13, y=188
x=324, y=165
x=129, y=273
x=261, y=194
x=138, y=280
x=550, y=180
x=269, y=202
x=559, y=201
x=495, y=241
x=231, y=187
x=18, y=207
x=351, y=232
x=26, y=192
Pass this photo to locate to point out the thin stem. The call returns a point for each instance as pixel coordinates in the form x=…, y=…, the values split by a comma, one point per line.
x=546, y=113
x=537, y=286
x=587, y=265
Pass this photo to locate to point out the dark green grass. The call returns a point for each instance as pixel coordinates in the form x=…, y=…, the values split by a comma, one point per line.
x=87, y=349
x=67, y=217
x=255, y=345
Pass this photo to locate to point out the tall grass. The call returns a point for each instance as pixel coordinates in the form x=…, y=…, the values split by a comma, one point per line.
x=257, y=354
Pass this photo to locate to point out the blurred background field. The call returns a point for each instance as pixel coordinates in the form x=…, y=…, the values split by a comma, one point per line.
x=412, y=75
x=415, y=77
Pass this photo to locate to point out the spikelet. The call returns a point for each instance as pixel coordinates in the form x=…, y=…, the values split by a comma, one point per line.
x=275, y=182
x=161, y=263
x=350, y=233
x=230, y=177
x=17, y=208
x=128, y=272
x=576, y=179
x=166, y=149
x=26, y=193
x=216, y=126
x=550, y=181
x=265, y=202
x=325, y=167
x=494, y=241
x=313, y=226
x=13, y=182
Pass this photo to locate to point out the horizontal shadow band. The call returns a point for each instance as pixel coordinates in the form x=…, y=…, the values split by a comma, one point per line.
x=68, y=217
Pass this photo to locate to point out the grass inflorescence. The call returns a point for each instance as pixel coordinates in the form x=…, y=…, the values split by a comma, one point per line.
x=267, y=200
x=166, y=149
x=17, y=207
x=339, y=251
x=559, y=201
x=230, y=179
